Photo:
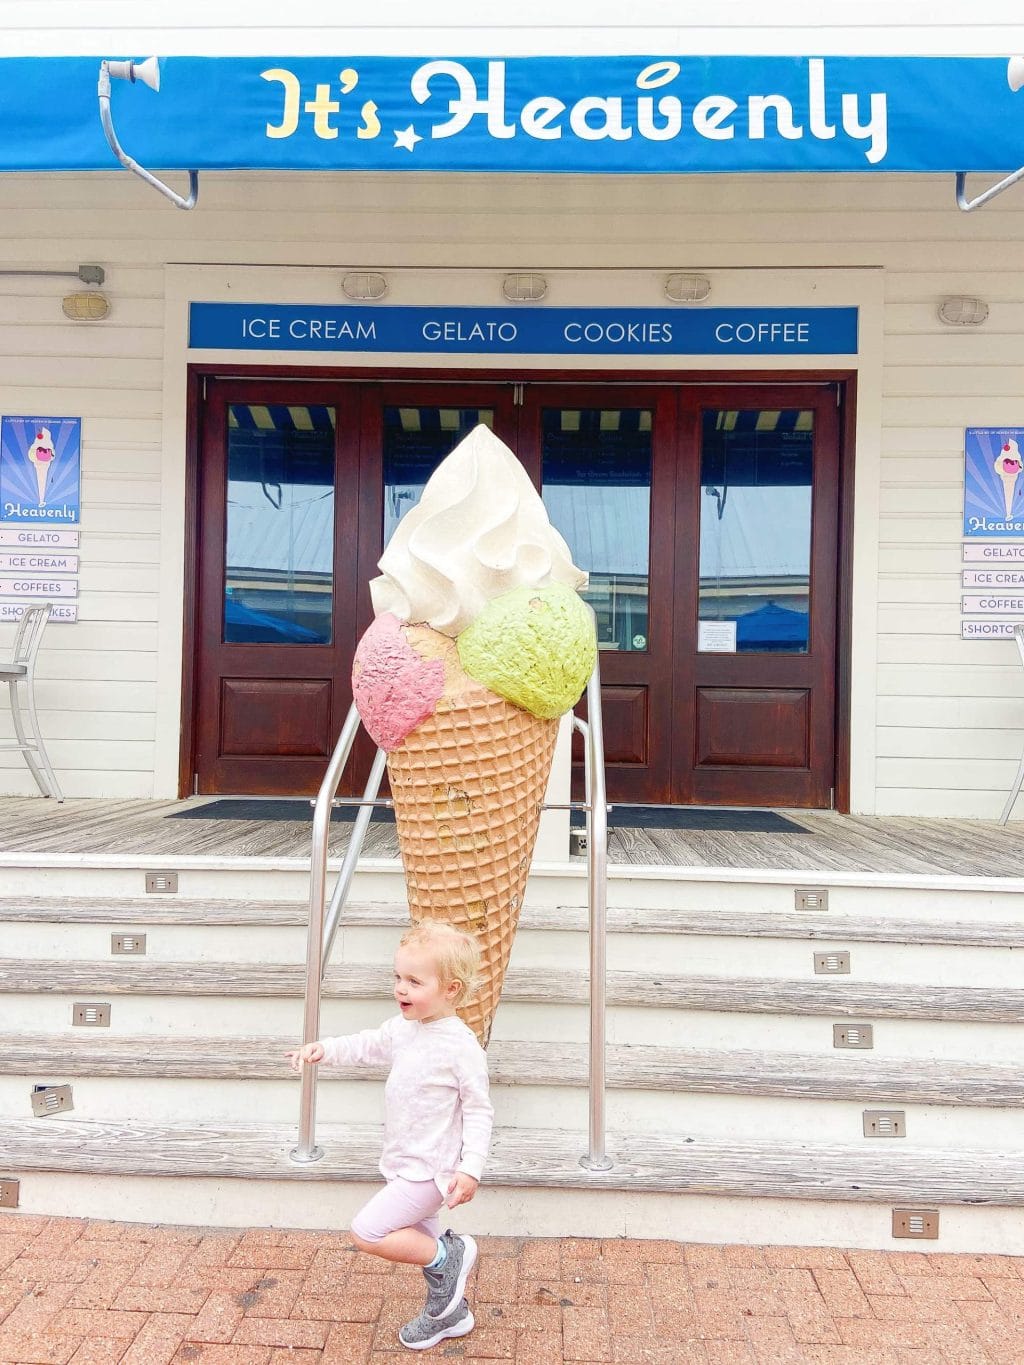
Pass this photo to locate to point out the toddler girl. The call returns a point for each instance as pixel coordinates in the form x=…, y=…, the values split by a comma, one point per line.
x=437, y=1123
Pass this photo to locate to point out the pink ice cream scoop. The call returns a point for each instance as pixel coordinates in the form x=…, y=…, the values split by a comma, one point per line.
x=394, y=688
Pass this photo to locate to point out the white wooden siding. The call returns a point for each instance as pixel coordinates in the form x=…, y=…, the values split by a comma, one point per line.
x=950, y=714
x=530, y=27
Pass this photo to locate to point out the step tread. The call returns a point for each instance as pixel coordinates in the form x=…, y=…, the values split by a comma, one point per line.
x=814, y=926
x=850, y=1077
x=844, y=997
x=880, y=1173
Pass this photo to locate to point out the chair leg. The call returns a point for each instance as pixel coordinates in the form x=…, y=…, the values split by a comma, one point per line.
x=44, y=758
x=1018, y=781
x=26, y=745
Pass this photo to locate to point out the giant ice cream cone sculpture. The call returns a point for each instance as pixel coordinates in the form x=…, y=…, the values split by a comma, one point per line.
x=1008, y=467
x=479, y=645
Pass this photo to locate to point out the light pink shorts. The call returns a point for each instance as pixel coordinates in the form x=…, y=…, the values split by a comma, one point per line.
x=400, y=1204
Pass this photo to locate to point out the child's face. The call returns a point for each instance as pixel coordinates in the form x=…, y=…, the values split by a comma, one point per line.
x=418, y=990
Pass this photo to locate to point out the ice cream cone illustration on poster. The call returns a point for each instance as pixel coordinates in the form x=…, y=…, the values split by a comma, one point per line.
x=480, y=643
x=40, y=453
x=1008, y=469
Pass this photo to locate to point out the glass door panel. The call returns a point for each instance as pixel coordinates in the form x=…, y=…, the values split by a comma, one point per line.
x=279, y=543
x=596, y=471
x=755, y=530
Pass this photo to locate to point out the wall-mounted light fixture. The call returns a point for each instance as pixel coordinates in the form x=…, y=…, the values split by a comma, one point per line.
x=524, y=288
x=148, y=72
x=687, y=288
x=364, y=284
x=86, y=306
x=960, y=311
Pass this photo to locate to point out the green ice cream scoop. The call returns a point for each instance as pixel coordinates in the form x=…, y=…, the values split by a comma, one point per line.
x=533, y=646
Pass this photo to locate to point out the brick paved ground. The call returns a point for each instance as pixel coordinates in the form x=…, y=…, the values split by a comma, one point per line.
x=93, y=1293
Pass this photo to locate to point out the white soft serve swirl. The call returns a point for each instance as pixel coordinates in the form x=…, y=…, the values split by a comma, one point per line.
x=479, y=530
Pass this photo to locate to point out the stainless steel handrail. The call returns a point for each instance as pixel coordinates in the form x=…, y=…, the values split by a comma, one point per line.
x=355, y=846
x=324, y=920
x=597, y=1158
x=307, y=1150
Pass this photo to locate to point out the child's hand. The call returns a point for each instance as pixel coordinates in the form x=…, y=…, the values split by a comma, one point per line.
x=309, y=1052
x=462, y=1189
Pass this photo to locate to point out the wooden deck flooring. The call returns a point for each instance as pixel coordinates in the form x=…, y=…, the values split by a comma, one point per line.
x=839, y=843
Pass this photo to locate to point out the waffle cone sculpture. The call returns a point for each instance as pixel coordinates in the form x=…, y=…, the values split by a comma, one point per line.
x=464, y=689
x=468, y=786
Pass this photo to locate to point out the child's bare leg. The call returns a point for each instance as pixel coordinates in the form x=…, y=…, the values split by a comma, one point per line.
x=408, y=1246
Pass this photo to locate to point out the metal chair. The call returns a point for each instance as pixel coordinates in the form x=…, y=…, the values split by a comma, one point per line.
x=19, y=673
x=1018, y=635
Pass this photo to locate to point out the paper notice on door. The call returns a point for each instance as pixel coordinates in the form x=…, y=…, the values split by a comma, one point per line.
x=716, y=637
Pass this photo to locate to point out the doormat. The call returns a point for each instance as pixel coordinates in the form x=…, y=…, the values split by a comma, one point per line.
x=286, y=808
x=619, y=817
x=696, y=817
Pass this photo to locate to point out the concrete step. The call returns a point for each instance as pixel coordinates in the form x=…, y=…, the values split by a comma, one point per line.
x=262, y=879
x=653, y=1089
x=843, y=996
x=742, y=943
x=940, y=926
x=880, y=1080
x=768, y=1014
x=791, y=1191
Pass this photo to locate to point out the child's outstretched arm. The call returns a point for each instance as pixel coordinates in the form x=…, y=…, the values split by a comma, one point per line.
x=371, y=1047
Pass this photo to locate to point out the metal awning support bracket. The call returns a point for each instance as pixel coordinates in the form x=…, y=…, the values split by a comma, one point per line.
x=969, y=205
x=149, y=73
x=1015, y=80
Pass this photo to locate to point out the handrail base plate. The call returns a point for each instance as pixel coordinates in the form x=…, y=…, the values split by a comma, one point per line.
x=306, y=1159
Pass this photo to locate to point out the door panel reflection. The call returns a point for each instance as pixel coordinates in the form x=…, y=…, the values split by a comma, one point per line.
x=755, y=530
x=597, y=490
x=279, y=559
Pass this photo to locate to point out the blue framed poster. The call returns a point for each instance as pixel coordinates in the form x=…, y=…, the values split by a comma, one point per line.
x=41, y=470
x=993, y=482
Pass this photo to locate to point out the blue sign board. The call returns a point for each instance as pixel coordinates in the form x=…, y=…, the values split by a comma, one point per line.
x=656, y=113
x=993, y=483
x=40, y=471
x=523, y=331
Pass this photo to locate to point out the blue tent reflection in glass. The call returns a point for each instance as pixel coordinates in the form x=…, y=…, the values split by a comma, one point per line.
x=772, y=627
x=243, y=625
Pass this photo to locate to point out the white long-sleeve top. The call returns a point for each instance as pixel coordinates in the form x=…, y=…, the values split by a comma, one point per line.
x=437, y=1108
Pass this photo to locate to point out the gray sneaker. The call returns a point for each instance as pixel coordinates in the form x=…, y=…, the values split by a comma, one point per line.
x=445, y=1287
x=424, y=1332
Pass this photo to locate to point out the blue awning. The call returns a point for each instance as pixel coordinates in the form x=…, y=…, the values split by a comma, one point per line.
x=659, y=113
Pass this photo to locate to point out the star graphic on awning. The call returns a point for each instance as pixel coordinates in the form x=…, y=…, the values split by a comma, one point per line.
x=407, y=137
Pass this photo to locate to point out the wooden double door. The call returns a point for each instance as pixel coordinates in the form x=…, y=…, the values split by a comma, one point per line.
x=707, y=517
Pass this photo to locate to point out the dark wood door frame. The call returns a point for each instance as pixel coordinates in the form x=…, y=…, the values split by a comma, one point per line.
x=198, y=374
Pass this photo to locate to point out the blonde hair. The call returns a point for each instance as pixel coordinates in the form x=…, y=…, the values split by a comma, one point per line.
x=456, y=954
